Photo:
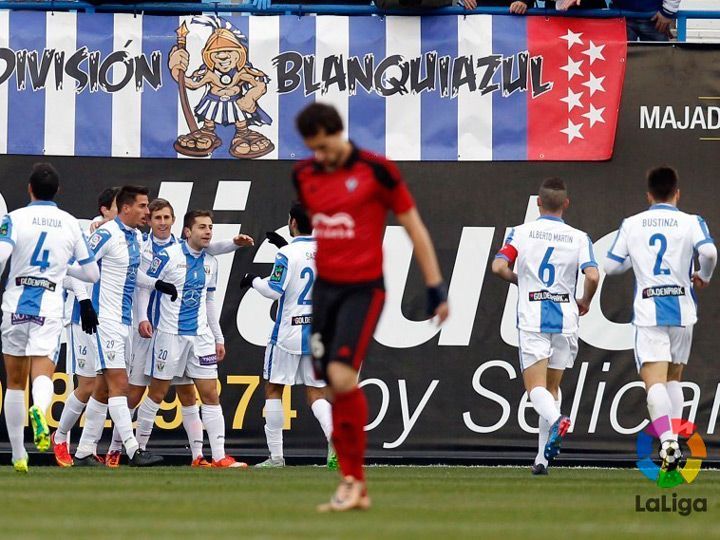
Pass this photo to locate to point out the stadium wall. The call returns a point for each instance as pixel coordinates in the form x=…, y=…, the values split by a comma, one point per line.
x=455, y=393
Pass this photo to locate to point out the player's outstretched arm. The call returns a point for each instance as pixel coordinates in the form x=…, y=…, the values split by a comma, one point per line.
x=501, y=268
x=87, y=272
x=427, y=260
x=592, y=280
x=220, y=247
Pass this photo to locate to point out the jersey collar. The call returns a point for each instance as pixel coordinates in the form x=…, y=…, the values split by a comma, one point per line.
x=303, y=239
x=552, y=218
x=351, y=160
x=42, y=203
x=123, y=227
x=186, y=251
x=664, y=206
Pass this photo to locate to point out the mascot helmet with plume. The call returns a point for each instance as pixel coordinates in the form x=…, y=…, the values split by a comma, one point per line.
x=225, y=37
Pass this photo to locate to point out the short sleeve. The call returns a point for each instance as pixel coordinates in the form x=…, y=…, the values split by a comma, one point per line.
x=279, y=277
x=586, y=257
x=7, y=231
x=98, y=242
x=82, y=252
x=618, y=252
x=158, y=264
x=700, y=232
x=509, y=251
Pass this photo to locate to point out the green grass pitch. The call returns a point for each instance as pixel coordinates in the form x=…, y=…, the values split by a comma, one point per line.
x=408, y=502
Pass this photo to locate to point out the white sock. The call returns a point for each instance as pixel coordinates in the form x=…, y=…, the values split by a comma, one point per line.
x=274, y=422
x=194, y=429
x=544, y=404
x=15, y=415
x=677, y=399
x=71, y=413
x=214, y=422
x=543, y=433
x=120, y=415
x=146, y=421
x=42, y=392
x=95, y=416
x=659, y=405
x=322, y=410
x=116, y=444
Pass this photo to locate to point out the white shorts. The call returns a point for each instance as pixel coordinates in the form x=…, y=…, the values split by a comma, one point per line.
x=662, y=344
x=560, y=349
x=83, y=353
x=175, y=357
x=114, y=344
x=139, y=358
x=24, y=335
x=282, y=367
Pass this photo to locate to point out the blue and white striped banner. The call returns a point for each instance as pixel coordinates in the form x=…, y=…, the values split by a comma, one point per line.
x=100, y=84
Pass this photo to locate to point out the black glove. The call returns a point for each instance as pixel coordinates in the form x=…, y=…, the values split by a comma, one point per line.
x=435, y=296
x=88, y=317
x=275, y=239
x=247, y=280
x=167, y=288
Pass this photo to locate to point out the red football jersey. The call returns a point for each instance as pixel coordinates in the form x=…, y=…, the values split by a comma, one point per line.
x=348, y=208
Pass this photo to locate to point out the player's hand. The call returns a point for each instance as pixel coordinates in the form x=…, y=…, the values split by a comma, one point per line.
x=275, y=239
x=698, y=282
x=243, y=240
x=247, y=280
x=518, y=8
x=95, y=225
x=583, y=306
x=220, y=351
x=145, y=329
x=662, y=23
x=167, y=288
x=437, y=305
x=88, y=317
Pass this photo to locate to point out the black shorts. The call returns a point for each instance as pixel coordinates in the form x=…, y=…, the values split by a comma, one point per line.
x=344, y=321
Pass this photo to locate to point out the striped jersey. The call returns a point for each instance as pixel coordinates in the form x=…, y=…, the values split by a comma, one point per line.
x=548, y=254
x=151, y=248
x=661, y=244
x=193, y=275
x=292, y=276
x=117, y=249
x=45, y=240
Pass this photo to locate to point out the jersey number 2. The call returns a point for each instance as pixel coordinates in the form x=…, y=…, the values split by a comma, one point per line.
x=45, y=261
x=654, y=239
x=303, y=299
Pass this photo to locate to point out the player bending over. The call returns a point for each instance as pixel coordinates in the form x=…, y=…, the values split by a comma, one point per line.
x=348, y=192
x=42, y=239
x=288, y=360
x=188, y=341
x=660, y=244
x=547, y=254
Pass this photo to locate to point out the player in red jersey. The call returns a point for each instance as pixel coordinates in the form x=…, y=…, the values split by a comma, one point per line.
x=348, y=193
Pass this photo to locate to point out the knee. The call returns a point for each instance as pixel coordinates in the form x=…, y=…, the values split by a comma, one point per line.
x=210, y=397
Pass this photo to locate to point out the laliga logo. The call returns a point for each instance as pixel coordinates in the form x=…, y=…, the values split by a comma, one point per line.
x=683, y=473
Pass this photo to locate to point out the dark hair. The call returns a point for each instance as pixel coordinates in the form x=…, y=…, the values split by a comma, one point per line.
x=128, y=194
x=553, y=193
x=318, y=117
x=159, y=204
x=44, y=181
x=192, y=215
x=662, y=183
x=106, y=198
x=297, y=212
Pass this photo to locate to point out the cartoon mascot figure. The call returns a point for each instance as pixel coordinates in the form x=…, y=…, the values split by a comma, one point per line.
x=233, y=88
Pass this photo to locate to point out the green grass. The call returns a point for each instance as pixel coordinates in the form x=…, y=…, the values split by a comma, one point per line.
x=408, y=502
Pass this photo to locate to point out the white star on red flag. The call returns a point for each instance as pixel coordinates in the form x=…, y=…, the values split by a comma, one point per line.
x=572, y=99
x=572, y=131
x=594, y=52
x=572, y=38
x=573, y=68
x=595, y=115
x=594, y=84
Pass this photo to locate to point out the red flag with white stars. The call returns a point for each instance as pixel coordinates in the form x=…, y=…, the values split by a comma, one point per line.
x=585, y=60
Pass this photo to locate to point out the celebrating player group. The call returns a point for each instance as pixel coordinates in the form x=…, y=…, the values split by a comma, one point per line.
x=145, y=315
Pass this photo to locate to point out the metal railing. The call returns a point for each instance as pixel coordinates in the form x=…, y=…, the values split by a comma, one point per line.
x=178, y=8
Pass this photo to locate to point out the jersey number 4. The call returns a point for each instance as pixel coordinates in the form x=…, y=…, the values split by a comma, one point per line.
x=43, y=262
x=658, y=270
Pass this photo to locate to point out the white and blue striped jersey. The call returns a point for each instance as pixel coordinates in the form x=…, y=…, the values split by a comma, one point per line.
x=193, y=275
x=548, y=254
x=151, y=248
x=661, y=244
x=45, y=241
x=292, y=276
x=117, y=249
